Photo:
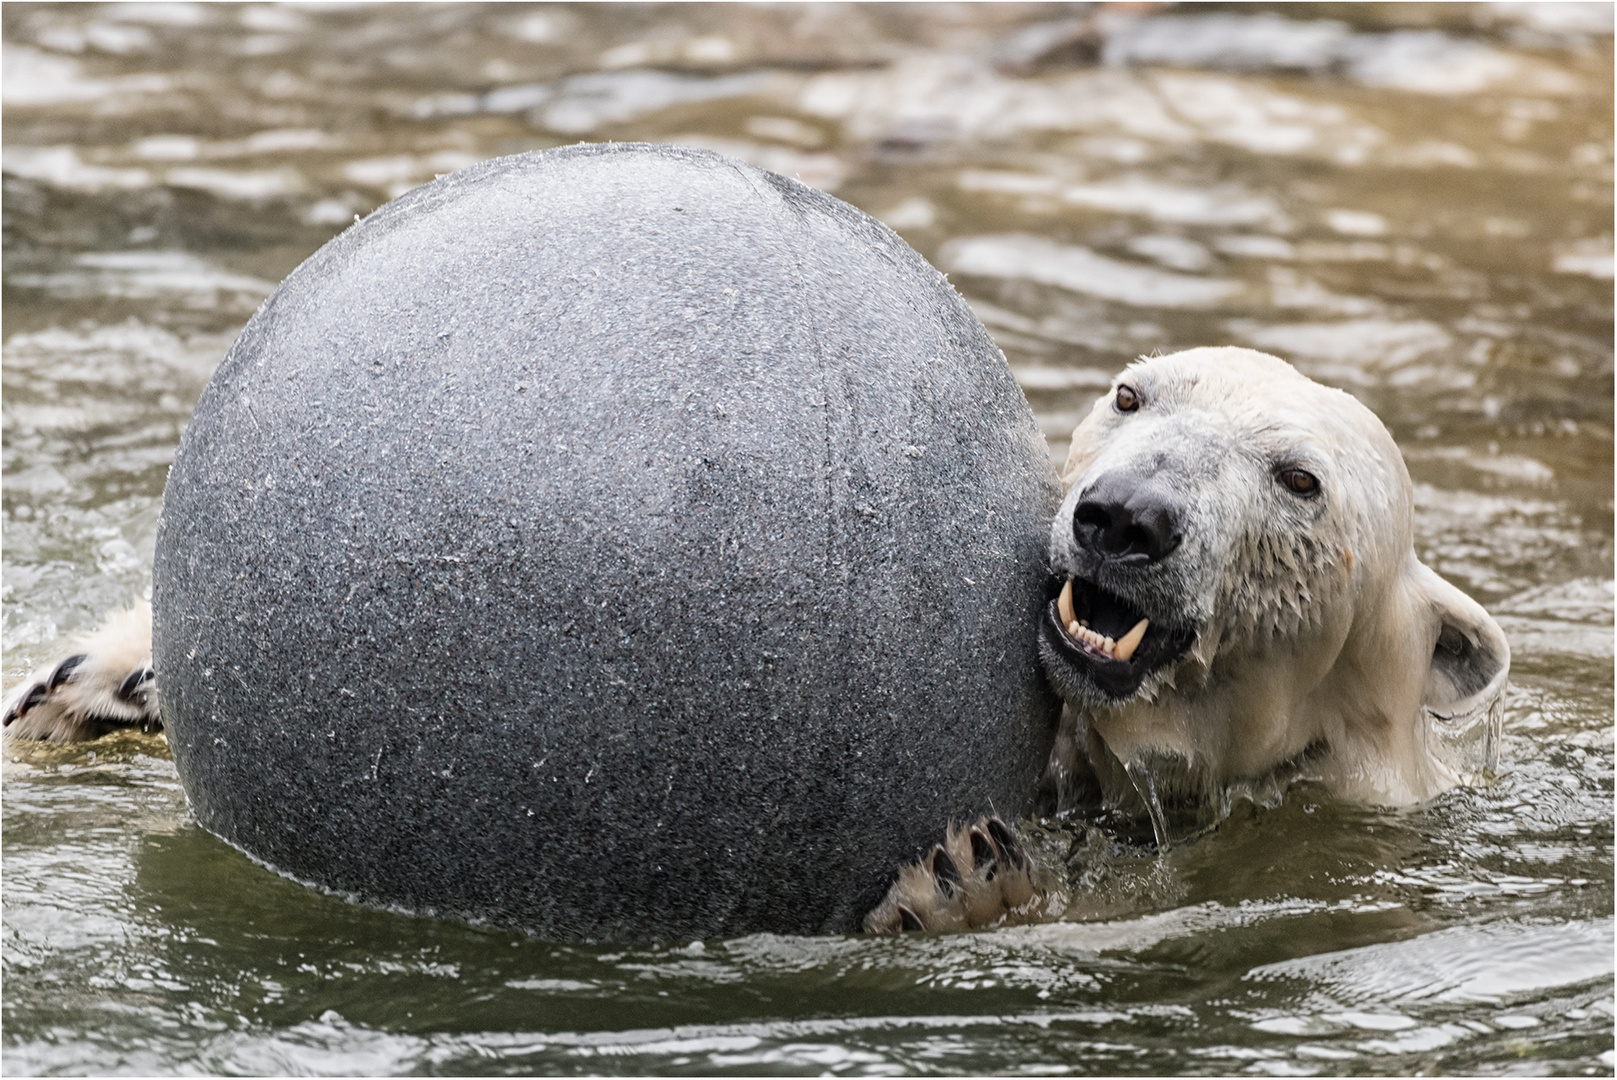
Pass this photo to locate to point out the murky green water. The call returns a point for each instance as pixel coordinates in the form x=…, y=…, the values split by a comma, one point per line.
x=1414, y=204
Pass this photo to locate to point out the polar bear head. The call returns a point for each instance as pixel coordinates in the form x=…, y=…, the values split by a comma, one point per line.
x=1238, y=585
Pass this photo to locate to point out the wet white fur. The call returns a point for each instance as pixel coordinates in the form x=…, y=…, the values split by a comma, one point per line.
x=87, y=702
x=1317, y=622
x=1315, y=633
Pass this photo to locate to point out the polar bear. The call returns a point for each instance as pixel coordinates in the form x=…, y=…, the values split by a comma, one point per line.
x=1236, y=598
x=105, y=683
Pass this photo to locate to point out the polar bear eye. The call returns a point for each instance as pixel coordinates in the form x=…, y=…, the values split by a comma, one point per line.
x=1299, y=482
x=1127, y=400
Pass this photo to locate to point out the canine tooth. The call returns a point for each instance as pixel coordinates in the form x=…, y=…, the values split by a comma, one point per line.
x=1131, y=640
x=1064, y=604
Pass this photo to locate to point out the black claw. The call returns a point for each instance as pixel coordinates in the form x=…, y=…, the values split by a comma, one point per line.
x=944, y=871
x=134, y=681
x=908, y=920
x=36, y=693
x=65, y=669
x=982, y=852
x=1009, y=845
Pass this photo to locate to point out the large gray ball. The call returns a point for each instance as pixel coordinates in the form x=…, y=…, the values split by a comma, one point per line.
x=619, y=542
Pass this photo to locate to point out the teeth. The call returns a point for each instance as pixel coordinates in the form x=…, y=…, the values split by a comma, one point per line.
x=1124, y=649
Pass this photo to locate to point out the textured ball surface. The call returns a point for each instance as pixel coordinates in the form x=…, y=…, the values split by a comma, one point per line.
x=618, y=542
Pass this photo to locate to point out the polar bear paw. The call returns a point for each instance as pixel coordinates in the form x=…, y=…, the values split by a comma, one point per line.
x=979, y=876
x=107, y=682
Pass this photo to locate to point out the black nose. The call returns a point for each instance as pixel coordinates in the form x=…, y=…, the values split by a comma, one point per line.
x=1126, y=519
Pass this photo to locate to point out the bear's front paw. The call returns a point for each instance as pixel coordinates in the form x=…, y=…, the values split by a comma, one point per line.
x=979, y=876
x=108, y=683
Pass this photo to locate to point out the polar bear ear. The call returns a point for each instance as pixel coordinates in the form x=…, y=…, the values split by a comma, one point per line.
x=1471, y=658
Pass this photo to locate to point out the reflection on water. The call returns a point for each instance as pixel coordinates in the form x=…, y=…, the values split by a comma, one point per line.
x=1411, y=202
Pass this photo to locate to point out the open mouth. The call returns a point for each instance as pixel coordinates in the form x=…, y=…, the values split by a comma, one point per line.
x=1108, y=639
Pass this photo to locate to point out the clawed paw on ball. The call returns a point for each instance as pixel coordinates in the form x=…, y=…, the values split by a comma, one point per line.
x=979, y=876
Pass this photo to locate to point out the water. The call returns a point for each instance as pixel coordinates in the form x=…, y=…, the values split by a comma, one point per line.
x=1412, y=202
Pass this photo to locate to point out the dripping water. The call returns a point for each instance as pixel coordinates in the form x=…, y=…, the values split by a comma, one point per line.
x=1144, y=778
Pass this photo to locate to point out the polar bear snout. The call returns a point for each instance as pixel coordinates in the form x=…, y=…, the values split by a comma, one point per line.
x=1131, y=565
x=1123, y=517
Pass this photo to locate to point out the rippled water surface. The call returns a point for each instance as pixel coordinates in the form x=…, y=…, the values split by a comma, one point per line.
x=1411, y=202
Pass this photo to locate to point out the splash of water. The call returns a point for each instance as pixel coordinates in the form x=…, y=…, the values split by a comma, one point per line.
x=1182, y=804
x=1468, y=742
